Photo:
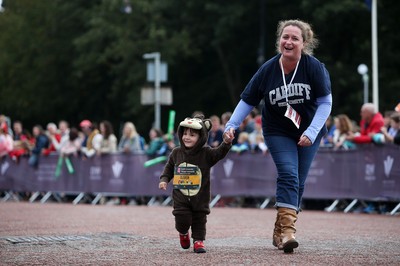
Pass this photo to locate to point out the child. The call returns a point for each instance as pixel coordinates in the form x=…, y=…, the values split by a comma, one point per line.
x=242, y=144
x=189, y=166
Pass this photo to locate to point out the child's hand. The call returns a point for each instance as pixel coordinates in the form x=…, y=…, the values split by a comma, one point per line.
x=162, y=185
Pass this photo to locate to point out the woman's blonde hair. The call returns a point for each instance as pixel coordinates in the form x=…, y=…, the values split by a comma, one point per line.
x=309, y=39
x=133, y=132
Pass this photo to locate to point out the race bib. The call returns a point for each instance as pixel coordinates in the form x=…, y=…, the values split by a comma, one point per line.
x=293, y=115
x=187, y=178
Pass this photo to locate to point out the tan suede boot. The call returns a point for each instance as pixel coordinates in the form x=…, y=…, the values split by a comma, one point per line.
x=287, y=218
x=276, y=236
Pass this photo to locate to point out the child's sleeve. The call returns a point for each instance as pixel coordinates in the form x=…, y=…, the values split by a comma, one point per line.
x=168, y=172
x=218, y=153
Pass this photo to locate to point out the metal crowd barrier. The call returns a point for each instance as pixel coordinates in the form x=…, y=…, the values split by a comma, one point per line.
x=368, y=173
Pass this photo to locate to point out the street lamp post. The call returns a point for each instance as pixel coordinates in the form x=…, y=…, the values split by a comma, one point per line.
x=363, y=71
x=157, y=104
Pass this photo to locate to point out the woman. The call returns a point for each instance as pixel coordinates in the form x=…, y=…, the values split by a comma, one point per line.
x=215, y=134
x=344, y=128
x=72, y=145
x=157, y=145
x=130, y=141
x=296, y=89
x=109, y=142
x=6, y=141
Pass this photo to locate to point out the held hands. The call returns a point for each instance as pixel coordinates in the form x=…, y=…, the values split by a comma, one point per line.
x=163, y=185
x=228, y=136
x=304, y=141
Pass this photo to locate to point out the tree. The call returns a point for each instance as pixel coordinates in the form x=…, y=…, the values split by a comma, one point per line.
x=79, y=60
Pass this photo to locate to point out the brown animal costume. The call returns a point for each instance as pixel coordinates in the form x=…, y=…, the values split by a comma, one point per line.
x=190, y=168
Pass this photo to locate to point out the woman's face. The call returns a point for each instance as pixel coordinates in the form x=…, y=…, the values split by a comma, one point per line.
x=127, y=131
x=337, y=123
x=102, y=128
x=17, y=128
x=291, y=42
x=152, y=134
x=36, y=131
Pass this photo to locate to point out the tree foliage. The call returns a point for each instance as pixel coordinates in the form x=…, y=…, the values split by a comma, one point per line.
x=83, y=59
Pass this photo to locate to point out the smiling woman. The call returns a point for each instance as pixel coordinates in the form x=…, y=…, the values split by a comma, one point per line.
x=296, y=90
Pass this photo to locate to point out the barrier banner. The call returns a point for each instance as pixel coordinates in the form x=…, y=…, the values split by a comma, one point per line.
x=369, y=172
x=6, y=180
x=244, y=174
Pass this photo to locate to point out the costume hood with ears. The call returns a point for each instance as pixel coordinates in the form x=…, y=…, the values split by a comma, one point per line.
x=199, y=124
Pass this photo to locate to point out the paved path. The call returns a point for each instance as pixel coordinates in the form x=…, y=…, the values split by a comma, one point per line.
x=139, y=235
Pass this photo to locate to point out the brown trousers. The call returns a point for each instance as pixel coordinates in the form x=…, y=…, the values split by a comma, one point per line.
x=191, y=212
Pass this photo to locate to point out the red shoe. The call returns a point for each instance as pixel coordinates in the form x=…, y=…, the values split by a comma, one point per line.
x=185, y=240
x=199, y=247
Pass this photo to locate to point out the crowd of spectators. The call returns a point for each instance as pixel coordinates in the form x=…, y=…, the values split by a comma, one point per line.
x=89, y=140
x=344, y=133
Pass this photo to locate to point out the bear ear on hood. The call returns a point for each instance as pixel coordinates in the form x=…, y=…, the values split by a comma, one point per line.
x=207, y=124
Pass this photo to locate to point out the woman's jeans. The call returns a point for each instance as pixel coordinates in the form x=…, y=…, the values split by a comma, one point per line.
x=292, y=163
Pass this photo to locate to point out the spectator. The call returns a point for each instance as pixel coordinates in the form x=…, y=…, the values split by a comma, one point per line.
x=6, y=120
x=41, y=143
x=256, y=138
x=23, y=142
x=171, y=140
x=92, y=139
x=257, y=130
x=248, y=124
x=392, y=135
x=327, y=140
x=54, y=138
x=72, y=145
x=370, y=124
x=109, y=140
x=242, y=144
x=6, y=141
x=386, y=118
x=63, y=126
x=131, y=141
x=108, y=145
x=18, y=131
x=225, y=118
x=260, y=145
x=157, y=145
x=343, y=129
x=198, y=112
x=215, y=134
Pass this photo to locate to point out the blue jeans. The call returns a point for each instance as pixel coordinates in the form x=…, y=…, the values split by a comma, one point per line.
x=33, y=160
x=292, y=163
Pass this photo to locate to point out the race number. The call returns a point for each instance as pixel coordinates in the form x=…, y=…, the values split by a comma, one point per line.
x=187, y=177
x=293, y=115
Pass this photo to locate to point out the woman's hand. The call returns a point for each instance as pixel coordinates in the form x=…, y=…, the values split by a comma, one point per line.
x=229, y=135
x=304, y=141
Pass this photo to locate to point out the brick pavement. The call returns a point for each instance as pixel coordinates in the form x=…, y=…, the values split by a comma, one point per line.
x=141, y=235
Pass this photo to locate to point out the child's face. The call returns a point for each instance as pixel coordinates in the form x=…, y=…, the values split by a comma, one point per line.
x=190, y=137
x=394, y=124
